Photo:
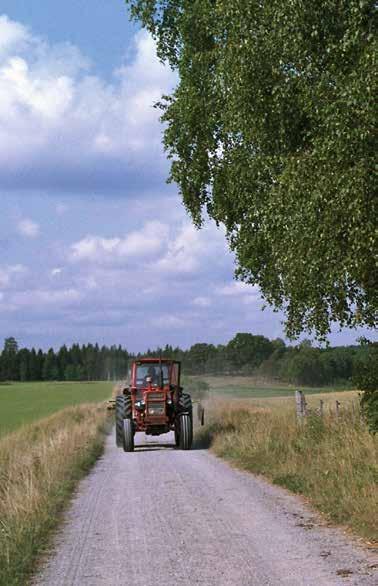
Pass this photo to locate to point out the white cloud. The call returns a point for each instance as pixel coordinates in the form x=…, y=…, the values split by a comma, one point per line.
x=189, y=251
x=58, y=122
x=13, y=35
x=143, y=243
x=202, y=301
x=183, y=251
x=28, y=228
x=237, y=288
x=56, y=271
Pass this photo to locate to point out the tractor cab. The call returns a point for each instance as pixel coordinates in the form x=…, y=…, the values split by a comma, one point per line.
x=150, y=373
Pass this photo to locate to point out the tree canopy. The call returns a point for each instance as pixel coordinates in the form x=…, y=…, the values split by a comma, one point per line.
x=270, y=132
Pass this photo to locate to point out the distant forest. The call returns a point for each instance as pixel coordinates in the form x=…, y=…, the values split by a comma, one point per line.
x=245, y=354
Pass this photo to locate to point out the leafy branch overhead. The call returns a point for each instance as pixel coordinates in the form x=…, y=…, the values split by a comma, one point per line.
x=270, y=132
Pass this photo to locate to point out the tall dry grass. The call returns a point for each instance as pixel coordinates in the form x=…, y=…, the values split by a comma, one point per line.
x=331, y=461
x=39, y=467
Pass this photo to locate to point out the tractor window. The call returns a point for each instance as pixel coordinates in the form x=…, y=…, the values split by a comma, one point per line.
x=153, y=371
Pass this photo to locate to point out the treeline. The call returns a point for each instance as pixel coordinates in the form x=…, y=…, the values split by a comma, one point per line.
x=86, y=362
x=245, y=354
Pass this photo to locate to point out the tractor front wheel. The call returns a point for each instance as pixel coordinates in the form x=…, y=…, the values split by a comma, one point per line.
x=185, y=432
x=128, y=435
x=177, y=433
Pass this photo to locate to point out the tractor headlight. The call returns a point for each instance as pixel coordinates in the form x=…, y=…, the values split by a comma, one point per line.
x=140, y=405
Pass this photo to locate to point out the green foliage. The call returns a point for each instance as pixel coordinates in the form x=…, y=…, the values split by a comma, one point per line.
x=87, y=362
x=366, y=379
x=248, y=350
x=9, y=365
x=244, y=354
x=271, y=133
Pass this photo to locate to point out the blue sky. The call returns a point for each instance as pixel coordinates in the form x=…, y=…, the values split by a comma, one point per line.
x=94, y=246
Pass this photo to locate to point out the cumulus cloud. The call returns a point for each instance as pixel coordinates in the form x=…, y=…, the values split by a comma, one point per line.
x=148, y=241
x=189, y=251
x=13, y=36
x=28, y=228
x=60, y=126
x=162, y=250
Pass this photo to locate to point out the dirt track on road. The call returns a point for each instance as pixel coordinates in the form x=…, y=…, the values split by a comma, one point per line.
x=164, y=517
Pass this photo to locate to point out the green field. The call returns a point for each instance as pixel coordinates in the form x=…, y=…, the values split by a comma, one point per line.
x=249, y=387
x=22, y=403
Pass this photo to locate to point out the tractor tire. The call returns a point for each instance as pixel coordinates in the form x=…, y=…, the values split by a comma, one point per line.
x=186, y=432
x=128, y=435
x=119, y=417
x=123, y=411
x=177, y=433
x=185, y=404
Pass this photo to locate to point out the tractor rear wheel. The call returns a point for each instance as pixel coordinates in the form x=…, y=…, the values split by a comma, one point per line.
x=119, y=417
x=128, y=435
x=185, y=403
x=186, y=432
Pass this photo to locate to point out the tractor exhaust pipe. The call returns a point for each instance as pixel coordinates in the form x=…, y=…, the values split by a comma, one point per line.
x=161, y=376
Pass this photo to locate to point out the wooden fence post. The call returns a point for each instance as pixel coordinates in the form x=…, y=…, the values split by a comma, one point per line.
x=301, y=405
x=201, y=413
x=321, y=408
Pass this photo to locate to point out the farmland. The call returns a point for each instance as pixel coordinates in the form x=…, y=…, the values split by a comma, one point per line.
x=23, y=403
x=250, y=387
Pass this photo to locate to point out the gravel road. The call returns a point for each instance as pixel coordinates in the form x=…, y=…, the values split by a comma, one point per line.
x=161, y=516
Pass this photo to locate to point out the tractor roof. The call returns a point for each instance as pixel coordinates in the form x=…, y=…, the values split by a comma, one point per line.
x=154, y=360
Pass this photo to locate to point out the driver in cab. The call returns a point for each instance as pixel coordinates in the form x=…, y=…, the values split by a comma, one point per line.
x=151, y=376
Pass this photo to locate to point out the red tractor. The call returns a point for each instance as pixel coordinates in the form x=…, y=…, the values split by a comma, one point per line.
x=154, y=402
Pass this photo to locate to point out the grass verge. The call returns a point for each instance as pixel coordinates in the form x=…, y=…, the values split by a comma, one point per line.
x=333, y=462
x=40, y=465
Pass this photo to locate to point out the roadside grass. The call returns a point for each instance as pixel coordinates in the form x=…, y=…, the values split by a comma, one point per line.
x=333, y=462
x=40, y=465
x=254, y=387
x=23, y=403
